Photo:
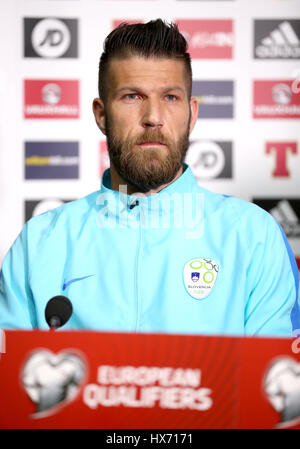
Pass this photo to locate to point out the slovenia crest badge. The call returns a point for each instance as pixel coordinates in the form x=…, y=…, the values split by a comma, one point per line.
x=199, y=276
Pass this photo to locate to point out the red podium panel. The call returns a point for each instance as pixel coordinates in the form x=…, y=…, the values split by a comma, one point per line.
x=99, y=380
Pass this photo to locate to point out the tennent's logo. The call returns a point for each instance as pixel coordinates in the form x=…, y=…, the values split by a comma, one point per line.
x=280, y=152
x=208, y=39
x=52, y=380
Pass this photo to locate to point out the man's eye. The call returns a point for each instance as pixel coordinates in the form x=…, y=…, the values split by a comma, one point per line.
x=171, y=97
x=131, y=97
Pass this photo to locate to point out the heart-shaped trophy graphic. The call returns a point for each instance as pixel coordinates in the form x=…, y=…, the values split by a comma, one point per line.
x=52, y=379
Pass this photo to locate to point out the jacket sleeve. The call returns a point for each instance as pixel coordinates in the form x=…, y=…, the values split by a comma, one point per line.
x=272, y=307
x=16, y=302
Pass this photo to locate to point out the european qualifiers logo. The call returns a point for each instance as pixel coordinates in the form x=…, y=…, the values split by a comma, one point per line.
x=210, y=159
x=281, y=385
x=275, y=99
x=53, y=380
x=50, y=38
x=277, y=39
x=51, y=99
x=208, y=39
x=34, y=208
x=51, y=160
x=286, y=211
x=215, y=98
x=149, y=387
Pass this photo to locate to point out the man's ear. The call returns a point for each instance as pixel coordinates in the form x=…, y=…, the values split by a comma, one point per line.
x=98, y=109
x=194, y=106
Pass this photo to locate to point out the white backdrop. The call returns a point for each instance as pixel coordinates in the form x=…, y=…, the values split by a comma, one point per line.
x=228, y=153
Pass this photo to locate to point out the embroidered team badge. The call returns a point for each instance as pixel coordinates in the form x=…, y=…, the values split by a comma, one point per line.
x=199, y=276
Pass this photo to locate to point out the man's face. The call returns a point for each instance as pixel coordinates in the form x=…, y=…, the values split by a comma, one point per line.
x=147, y=119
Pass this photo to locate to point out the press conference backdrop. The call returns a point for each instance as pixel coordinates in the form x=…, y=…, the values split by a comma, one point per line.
x=246, y=66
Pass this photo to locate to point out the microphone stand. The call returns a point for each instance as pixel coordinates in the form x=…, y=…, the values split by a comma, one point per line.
x=54, y=323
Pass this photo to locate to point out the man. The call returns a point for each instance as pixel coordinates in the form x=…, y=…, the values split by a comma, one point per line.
x=152, y=251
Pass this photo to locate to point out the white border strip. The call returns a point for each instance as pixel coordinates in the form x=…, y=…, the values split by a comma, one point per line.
x=2, y=342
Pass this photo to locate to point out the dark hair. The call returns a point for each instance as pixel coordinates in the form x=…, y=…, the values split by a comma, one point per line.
x=152, y=39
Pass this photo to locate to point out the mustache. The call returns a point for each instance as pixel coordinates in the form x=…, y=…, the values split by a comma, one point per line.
x=151, y=135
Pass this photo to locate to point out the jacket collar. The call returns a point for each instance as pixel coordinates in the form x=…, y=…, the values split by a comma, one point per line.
x=184, y=184
x=169, y=202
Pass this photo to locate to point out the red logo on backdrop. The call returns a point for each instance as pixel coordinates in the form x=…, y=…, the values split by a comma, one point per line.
x=118, y=22
x=51, y=99
x=298, y=263
x=208, y=39
x=281, y=150
x=275, y=99
x=103, y=158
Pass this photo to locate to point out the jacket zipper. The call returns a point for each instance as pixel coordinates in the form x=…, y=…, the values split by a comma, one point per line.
x=137, y=272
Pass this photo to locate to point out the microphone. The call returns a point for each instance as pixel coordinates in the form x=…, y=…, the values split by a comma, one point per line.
x=135, y=203
x=58, y=311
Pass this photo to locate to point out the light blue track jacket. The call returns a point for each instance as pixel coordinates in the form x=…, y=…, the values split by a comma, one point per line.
x=184, y=260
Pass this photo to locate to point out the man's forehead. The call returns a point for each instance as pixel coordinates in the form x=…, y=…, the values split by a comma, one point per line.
x=146, y=71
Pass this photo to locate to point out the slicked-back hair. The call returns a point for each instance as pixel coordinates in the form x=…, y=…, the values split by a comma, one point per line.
x=154, y=39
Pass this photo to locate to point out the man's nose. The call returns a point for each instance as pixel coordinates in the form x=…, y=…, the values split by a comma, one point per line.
x=152, y=114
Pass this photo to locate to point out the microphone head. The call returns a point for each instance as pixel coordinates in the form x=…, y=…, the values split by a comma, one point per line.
x=58, y=308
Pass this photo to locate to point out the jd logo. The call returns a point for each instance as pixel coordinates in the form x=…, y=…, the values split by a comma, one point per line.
x=50, y=37
x=53, y=38
x=209, y=160
x=199, y=277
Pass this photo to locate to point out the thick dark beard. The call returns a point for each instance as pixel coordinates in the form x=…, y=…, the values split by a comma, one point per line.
x=148, y=168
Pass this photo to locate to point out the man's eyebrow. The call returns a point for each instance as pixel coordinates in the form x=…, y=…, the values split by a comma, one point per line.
x=120, y=89
x=168, y=88
x=139, y=89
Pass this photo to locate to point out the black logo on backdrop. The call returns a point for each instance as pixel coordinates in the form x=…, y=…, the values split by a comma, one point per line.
x=210, y=159
x=38, y=207
x=50, y=38
x=277, y=39
x=286, y=211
